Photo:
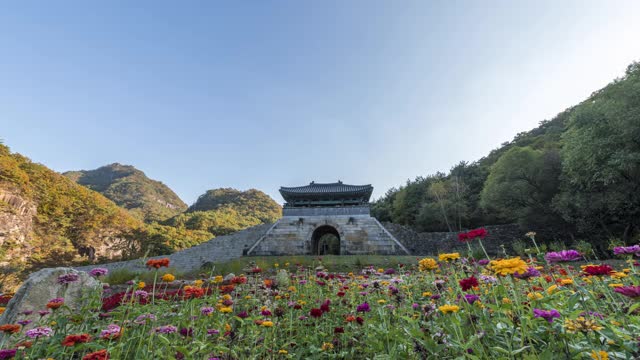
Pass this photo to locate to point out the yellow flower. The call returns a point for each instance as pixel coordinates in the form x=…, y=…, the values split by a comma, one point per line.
x=53, y=323
x=227, y=327
x=427, y=264
x=247, y=297
x=581, y=324
x=267, y=323
x=445, y=309
x=449, y=257
x=551, y=289
x=141, y=285
x=626, y=271
x=381, y=270
x=283, y=352
x=292, y=289
x=302, y=302
x=600, y=355
x=286, y=264
x=619, y=275
x=506, y=301
x=616, y=323
x=509, y=266
x=615, y=285
x=426, y=294
x=566, y=281
x=2, y=309
x=276, y=265
x=168, y=277
x=534, y=296
x=226, y=297
x=226, y=309
x=198, y=283
x=381, y=301
x=218, y=279
x=327, y=346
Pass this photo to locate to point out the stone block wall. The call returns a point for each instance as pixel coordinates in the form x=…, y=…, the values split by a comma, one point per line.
x=220, y=249
x=433, y=243
x=359, y=234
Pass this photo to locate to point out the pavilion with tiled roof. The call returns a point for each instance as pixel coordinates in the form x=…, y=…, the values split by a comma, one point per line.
x=326, y=194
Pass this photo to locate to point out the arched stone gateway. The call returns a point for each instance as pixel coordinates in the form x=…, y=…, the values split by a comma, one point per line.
x=327, y=219
x=325, y=241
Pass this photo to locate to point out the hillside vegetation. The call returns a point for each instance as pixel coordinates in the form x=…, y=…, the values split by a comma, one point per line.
x=574, y=177
x=130, y=188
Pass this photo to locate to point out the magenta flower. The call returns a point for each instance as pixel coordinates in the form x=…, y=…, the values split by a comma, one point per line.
x=168, y=329
x=212, y=332
x=562, y=256
x=112, y=331
x=471, y=298
x=624, y=250
x=206, y=310
x=144, y=318
x=630, y=291
x=7, y=354
x=364, y=307
x=548, y=315
x=95, y=272
x=39, y=332
x=68, y=278
x=530, y=273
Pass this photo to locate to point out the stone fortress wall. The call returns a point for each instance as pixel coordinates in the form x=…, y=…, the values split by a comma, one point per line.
x=360, y=235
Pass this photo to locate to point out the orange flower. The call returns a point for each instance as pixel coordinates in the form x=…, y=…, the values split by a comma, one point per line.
x=268, y=283
x=24, y=344
x=71, y=340
x=10, y=328
x=225, y=289
x=98, y=355
x=192, y=291
x=158, y=263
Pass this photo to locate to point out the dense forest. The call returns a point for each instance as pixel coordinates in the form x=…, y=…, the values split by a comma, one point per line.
x=574, y=178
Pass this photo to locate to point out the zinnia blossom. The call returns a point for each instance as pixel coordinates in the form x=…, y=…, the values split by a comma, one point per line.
x=168, y=277
x=206, y=310
x=468, y=283
x=7, y=353
x=530, y=273
x=548, y=315
x=472, y=234
x=364, y=307
x=98, y=355
x=597, y=270
x=71, y=340
x=68, y=278
x=55, y=303
x=316, y=313
x=39, y=332
x=449, y=257
x=96, y=272
x=562, y=256
x=445, y=309
x=10, y=328
x=112, y=331
x=427, y=264
x=158, y=263
x=627, y=250
x=471, y=298
x=630, y=291
x=167, y=329
x=509, y=266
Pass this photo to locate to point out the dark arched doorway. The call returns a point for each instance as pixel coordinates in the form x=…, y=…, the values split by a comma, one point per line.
x=325, y=241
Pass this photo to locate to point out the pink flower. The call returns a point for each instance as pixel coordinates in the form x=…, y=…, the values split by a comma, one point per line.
x=630, y=291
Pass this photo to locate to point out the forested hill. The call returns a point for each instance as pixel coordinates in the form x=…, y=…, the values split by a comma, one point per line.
x=47, y=220
x=573, y=177
x=130, y=188
x=223, y=211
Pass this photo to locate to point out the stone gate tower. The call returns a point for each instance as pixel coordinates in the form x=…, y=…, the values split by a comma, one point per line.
x=327, y=219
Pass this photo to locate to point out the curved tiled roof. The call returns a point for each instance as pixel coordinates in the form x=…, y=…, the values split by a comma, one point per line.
x=327, y=190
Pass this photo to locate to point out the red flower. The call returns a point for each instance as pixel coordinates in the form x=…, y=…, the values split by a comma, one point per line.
x=338, y=330
x=226, y=289
x=595, y=270
x=158, y=263
x=316, y=313
x=463, y=237
x=325, y=306
x=468, y=283
x=239, y=280
x=10, y=328
x=98, y=355
x=71, y=340
x=340, y=293
x=360, y=320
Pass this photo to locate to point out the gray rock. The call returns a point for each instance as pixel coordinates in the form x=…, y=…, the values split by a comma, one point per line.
x=227, y=279
x=42, y=286
x=282, y=278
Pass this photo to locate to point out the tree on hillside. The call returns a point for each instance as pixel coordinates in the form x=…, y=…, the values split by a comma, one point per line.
x=601, y=160
x=521, y=186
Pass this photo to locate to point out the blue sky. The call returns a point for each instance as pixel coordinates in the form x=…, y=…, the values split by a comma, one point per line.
x=259, y=94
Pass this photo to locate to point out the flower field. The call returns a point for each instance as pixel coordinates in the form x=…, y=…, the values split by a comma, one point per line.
x=446, y=307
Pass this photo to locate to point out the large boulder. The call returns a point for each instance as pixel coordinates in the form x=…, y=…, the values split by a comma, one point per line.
x=44, y=285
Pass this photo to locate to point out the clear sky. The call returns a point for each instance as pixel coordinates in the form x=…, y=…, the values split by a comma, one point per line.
x=259, y=94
